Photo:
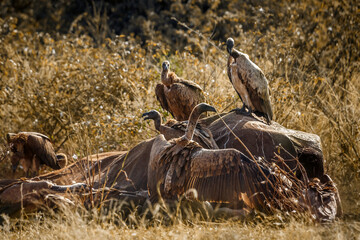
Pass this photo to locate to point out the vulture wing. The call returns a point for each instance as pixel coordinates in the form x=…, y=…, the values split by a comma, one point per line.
x=160, y=95
x=190, y=84
x=239, y=85
x=229, y=176
x=182, y=99
x=37, y=134
x=202, y=135
x=43, y=149
x=224, y=175
x=230, y=61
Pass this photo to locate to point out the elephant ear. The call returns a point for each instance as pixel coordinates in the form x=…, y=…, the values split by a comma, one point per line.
x=43, y=149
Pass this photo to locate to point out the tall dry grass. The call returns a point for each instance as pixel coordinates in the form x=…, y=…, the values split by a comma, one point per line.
x=87, y=94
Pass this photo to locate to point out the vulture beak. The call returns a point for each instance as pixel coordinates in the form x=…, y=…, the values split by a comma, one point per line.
x=14, y=167
x=228, y=49
x=165, y=66
x=153, y=114
x=146, y=115
x=9, y=136
x=203, y=107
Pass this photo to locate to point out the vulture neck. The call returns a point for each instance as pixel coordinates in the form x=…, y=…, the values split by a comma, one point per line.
x=157, y=122
x=189, y=132
x=235, y=53
x=168, y=78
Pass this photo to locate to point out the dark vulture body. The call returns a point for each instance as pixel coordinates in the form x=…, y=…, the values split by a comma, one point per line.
x=249, y=82
x=32, y=149
x=222, y=176
x=176, y=95
x=174, y=129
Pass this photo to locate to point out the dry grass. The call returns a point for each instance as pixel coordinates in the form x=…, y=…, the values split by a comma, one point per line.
x=88, y=96
x=70, y=225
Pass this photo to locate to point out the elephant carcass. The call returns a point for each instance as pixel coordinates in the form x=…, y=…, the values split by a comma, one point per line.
x=126, y=170
x=121, y=175
x=263, y=140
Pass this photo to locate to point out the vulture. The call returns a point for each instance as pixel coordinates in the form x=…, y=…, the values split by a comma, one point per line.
x=174, y=129
x=249, y=82
x=176, y=95
x=181, y=166
x=32, y=149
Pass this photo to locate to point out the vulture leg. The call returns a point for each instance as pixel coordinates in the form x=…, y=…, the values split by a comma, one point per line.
x=35, y=166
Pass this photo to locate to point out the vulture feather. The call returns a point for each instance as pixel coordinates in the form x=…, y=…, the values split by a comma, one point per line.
x=175, y=129
x=249, y=82
x=176, y=95
x=32, y=149
x=217, y=175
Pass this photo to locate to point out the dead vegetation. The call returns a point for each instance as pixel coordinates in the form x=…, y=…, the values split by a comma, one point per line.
x=87, y=88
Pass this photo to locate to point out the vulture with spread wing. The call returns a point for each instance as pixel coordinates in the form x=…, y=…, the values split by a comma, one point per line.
x=32, y=149
x=176, y=95
x=174, y=129
x=249, y=82
x=181, y=165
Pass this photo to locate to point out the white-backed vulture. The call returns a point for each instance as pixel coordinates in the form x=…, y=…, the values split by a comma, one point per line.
x=225, y=175
x=176, y=95
x=174, y=129
x=32, y=149
x=249, y=82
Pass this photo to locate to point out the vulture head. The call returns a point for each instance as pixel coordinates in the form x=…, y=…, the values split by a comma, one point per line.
x=155, y=115
x=194, y=116
x=166, y=66
x=16, y=144
x=62, y=159
x=229, y=45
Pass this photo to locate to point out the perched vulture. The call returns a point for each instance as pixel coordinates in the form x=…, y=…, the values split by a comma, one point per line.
x=249, y=82
x=181, y=166
x=174, y=129
x=32, y=149
x=176, y=95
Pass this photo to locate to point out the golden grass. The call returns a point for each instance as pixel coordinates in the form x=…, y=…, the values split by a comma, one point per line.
x=70, y=225
x=89, y=97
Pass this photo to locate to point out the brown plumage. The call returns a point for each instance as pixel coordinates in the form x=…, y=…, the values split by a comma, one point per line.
x=225, y=175
x=176, y=95
x=249, y=82
x=32, y=149
x=174, y=129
